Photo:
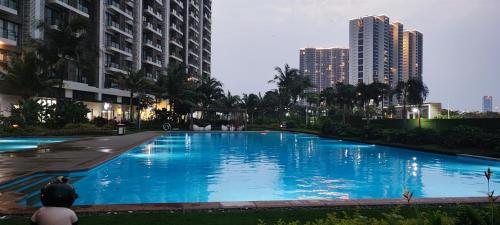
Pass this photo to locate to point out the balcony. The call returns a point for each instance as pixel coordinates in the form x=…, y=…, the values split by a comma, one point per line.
x=113, y=46
x=74, y=6
x=115, y=6
x=193, y=53
x=194, y=29
x=151, y=61
x=193, y=3
x=114, y=26
x=176, y=28
x=207, y=7
x=194, y=42
x=152, y=12
x=149, y=26
x=177, y=15
x=195, y=17
x=150, y=44
x=179, y=3
x=115, y=67
x=177, y=57
x=177, y=42
x=194, y=66
x=9, y=6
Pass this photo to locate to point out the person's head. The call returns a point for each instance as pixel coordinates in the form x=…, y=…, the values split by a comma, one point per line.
x=58, y=193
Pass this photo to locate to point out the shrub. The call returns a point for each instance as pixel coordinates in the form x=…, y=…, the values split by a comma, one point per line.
x=100, y=122
x=436, y=217
x=64, y=112
x=26, y=113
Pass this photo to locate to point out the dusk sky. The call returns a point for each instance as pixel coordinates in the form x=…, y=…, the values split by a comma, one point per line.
x=461, y=41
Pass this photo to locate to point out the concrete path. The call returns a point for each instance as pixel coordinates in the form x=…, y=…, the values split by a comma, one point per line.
x=69, y=156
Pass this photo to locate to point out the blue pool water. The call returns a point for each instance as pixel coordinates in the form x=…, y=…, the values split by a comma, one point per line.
x=23, y=143
x=207, y=167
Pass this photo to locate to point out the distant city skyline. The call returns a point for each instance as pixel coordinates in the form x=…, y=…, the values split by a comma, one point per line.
x=252, y=37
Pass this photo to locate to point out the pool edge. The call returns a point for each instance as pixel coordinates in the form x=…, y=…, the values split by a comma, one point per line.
x=251, y=205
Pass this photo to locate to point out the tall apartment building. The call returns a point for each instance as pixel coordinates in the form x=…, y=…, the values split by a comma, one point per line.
x=383, y=52
x=396, y=59
x=324, y=66
x=487, y=103
x=128, y=35
x=369, y=50
x=412, y=55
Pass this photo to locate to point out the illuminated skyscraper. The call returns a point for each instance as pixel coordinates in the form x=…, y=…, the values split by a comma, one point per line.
x=324, y=66
x=412, y=55
x=382, y=52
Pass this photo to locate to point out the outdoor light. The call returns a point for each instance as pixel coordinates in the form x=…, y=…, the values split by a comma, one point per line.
x=106, y=106
x=415, y=110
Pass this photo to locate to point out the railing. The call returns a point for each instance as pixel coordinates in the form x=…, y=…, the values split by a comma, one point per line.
x=9, y=4
x=9, y=34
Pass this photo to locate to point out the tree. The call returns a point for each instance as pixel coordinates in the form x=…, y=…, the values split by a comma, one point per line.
x=210, y=90
x=291, y=84
x=379, y=91
x=417, y=94
x=401, y=91
x=251, y=102
x=68, y=43
x=25, y=74
x=135, y=82
x=344, y=95
x=158, y=89
x=230, y=101
x=363, y=96
x=180, y=89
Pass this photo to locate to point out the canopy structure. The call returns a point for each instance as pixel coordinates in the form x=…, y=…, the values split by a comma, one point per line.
x=218, y=118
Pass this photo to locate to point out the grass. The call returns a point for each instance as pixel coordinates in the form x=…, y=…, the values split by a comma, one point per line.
x=250, y=217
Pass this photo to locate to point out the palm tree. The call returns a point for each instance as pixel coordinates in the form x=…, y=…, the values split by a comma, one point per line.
x=401, y=91
x=291, y=84
x=363, y=97
x=231, y=101
x=25, y=74
x=135, y=82
x=328, y=96
x=378, y=92
x=210, y=90
x=159, y=89
x=180, y=90
x=251, y=101
x=417, y=94
x=68, y=43
x=344, y=95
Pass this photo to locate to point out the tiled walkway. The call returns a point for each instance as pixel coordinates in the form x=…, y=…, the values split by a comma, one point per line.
x=74, y=155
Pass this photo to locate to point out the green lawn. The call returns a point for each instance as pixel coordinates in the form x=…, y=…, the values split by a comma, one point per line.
x=250, y=217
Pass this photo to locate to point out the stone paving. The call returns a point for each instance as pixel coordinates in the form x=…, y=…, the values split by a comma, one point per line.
x=68, y=156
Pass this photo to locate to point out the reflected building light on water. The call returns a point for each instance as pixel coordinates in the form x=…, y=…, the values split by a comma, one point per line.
x=188, y=143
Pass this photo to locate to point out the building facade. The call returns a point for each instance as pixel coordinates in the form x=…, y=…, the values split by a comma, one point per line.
x=127, y=35
x=396, y=59
x=383, y=52
x=487, y=103
x=324, y=66
x=412, y=55
x=369, y=48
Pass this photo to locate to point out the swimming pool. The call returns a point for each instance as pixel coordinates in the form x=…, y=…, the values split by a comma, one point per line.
x=23, y=143
x=251, y=166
